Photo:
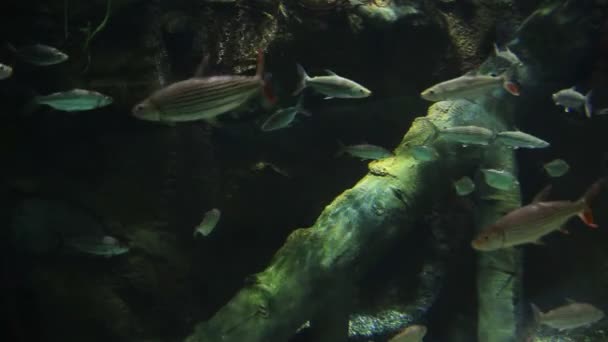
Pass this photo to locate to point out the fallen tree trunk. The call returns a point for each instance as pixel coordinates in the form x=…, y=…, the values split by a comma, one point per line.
x=306, y=277
x=348, y=237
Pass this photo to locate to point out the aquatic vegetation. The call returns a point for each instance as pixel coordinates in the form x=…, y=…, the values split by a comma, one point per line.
x=91, y=33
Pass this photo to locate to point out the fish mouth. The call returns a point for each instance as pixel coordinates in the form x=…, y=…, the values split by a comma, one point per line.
x=426, y=95
x=477, y=245
x=145, y=112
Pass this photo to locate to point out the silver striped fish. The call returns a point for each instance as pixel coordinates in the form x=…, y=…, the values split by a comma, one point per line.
x=530, y=223
x=200, y=98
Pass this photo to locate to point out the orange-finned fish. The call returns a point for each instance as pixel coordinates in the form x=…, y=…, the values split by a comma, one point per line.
x=569, y=316
x=530, y=223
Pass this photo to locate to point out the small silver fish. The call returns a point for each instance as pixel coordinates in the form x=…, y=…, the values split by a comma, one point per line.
x=39, y=54
x=364, y=151
x=210, y=220
x=530, y=223
x=464, y=186
x=466, y=135
x=556, y=168
x=571, y=100
x=5, y=71
x=569, y=316
x=424, y=153
x=507, y=55
x=263, y=165
x=499, y=179
x=470, y=87
x=331, y=86
x=518, y=139
x=106, y=246
x=74, y=100
x=201, y=98
x=413, y=333
x=283, y=118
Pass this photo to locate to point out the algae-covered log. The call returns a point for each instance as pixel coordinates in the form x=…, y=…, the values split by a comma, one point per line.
x=309, y=276
x=316, y=263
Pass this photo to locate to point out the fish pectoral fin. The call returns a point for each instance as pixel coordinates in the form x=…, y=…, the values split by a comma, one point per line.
x=328, y=97
x=567, y=109
x=214, y=122
x=539, y=242
x=564, y=231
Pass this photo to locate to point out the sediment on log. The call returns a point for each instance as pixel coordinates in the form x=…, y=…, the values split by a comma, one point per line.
x=306, y=276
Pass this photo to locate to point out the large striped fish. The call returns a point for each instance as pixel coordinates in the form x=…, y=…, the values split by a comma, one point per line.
x=530, y=223
x=202, y=98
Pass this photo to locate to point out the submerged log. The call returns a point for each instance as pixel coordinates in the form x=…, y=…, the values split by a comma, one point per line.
x=309, y=276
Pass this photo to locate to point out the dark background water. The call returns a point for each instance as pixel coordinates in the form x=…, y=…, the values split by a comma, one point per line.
x=150, y=184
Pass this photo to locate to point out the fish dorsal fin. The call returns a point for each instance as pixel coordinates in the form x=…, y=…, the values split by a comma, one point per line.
x=331, y=72
x=542, y=195
x=200, y=69
x=471, y=73
x=570, y=301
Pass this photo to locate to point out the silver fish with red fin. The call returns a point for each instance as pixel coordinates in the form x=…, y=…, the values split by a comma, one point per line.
x=530, y=223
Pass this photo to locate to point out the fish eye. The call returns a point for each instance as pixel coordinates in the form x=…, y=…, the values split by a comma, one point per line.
x=138, y=108
x=431, y=92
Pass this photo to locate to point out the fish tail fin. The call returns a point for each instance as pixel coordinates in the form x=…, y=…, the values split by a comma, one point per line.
x=433, y=127
x=509, y=84
x=267, y=89
x=586, y=214
x=303, y=77
x=260, y=68
x=496, y=49
x=588, y=105
x=265, y=79
x=32, y=104
x=11, y=47
x=538, y=315
x=341, y=149
x=587, y=217
x=300, y=107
